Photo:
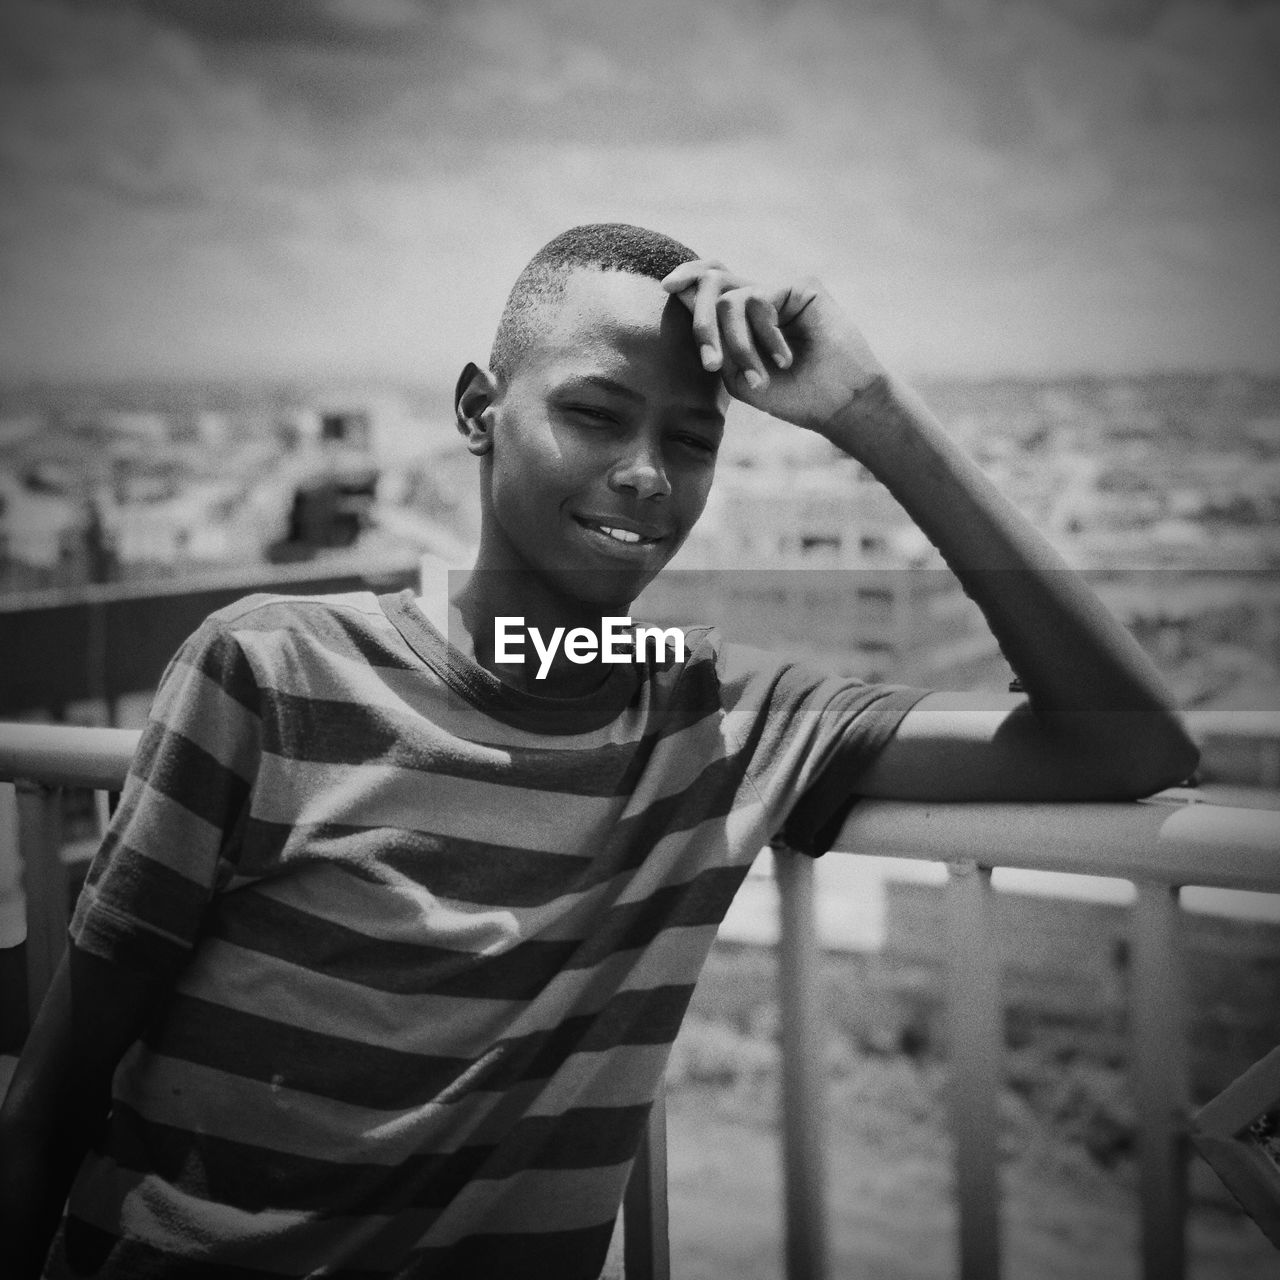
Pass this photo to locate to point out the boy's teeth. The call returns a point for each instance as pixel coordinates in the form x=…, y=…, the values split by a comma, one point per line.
x=622, y=535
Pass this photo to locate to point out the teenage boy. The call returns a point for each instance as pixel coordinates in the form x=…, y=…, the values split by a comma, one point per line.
x=392, y=931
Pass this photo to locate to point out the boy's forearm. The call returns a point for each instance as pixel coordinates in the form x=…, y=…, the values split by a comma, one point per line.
x=1073, y=658
x=60, y=1096
x=44, y=1132
x=41, y=1147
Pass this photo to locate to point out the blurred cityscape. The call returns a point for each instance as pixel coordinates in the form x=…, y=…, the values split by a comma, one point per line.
x=1165, y=488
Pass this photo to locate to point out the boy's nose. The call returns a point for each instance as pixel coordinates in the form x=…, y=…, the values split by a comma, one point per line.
x=640, y=472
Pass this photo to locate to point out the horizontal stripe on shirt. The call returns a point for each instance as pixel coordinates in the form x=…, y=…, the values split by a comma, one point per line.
x=256, y=1112
x=261, y=923
x=254, y=1177
x=576, y=1253
x=351, y=1071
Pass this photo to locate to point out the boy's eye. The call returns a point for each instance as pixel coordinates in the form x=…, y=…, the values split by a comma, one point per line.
x=699, y=444
x=590, y=412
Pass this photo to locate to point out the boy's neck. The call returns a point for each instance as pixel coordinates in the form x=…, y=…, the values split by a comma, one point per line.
x=464, y=604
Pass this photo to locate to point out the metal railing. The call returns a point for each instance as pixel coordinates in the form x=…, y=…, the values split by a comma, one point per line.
x=103, y=642
x=1160, y=845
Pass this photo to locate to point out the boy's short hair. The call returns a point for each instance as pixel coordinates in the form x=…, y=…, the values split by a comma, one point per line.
x=602, y=246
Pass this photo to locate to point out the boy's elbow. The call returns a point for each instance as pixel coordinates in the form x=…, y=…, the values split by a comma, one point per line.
x=1188, y=756
x=1165, y=756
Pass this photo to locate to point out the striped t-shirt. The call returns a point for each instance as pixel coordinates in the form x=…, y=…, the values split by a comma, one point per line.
x=430, y=937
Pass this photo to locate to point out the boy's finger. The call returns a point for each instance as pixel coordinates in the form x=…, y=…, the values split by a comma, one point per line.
x=688, y=273
x=736, y=337
x=769, y=339
x=706, y=329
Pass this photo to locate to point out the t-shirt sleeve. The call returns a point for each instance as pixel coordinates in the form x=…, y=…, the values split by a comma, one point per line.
x=170, y=844
x=809, y=735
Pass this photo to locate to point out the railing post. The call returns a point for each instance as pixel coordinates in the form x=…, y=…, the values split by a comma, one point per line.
x=1162, y=1079
x=646, y=1249
x=44, y=882
x=803, y=1127
x=15, y=1016
x=976, y=1040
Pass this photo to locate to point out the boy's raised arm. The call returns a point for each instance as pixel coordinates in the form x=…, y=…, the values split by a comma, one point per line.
x=1096, y=720
x=60, y=1096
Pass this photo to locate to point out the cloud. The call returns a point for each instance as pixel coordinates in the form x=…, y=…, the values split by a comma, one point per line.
x=1036, y=183
x=286, y=22
x=121, y=110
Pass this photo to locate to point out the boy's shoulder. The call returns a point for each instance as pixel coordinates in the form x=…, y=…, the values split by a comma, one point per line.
x=275, y=610
x=751, y=681
x=267, y=626
x=735, y=664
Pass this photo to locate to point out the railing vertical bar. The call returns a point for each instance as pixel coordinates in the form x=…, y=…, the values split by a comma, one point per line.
x=976, y=1038
x=1162, y=1080
x=803, y=1127
x=44, y=883
x=15, y=1015
x=646, y=1249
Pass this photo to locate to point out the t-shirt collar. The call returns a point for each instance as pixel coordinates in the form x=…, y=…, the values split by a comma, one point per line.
x=529, y=711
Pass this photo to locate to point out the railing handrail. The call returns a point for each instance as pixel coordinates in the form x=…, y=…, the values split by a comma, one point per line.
x=59, y=755
x=248, y=577
x=1205, y=844
x=1172, y=838
x=1242, y=722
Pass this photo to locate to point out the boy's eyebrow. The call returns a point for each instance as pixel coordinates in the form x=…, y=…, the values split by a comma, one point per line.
x=608, y=384
x=630, y=393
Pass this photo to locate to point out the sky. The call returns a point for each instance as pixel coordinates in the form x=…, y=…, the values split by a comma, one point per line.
x=302, y=188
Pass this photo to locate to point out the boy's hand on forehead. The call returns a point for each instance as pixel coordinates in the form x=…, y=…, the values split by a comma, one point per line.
x=787, y=349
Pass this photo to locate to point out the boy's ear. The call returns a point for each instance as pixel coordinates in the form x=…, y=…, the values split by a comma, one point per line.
x=473, y=405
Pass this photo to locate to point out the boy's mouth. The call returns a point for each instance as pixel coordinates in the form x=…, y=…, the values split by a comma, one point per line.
x=624, y=540
x=619, y=533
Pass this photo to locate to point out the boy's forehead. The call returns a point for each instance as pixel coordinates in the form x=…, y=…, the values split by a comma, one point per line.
x=609, y=302
x=615, y=315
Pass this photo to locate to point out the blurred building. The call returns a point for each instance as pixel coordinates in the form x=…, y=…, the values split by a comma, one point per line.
x=802, y=550
x=1065, y=974
x=908, y=625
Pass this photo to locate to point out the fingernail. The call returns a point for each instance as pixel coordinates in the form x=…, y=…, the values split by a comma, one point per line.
x=754, y=380
x=782, y=359
x=710, y=358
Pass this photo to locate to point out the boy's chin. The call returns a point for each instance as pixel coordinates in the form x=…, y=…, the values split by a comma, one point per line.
x=609, y=590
